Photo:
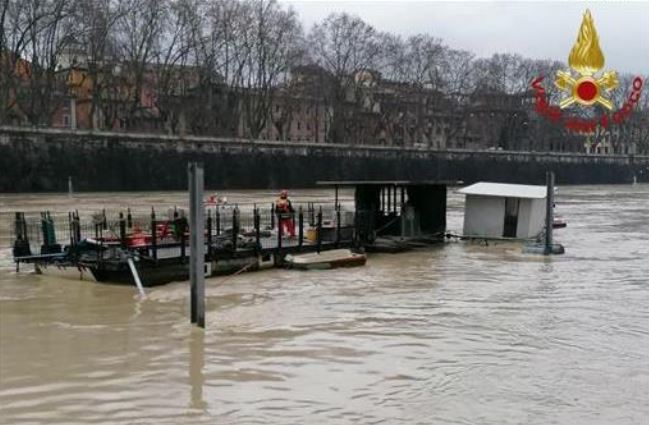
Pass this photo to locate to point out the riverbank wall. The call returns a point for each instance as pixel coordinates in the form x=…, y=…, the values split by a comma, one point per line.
x=37, y=160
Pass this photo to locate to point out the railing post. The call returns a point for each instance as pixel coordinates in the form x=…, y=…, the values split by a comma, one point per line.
x=209, y=232
x=272, y=216
x=154, y=236
x=77, y=227
x=319, y=231
x=217, y=216
x=129, y=218
x=235, y=226
x=257, y=224
x=300, y=218
x=70, y=228
x=122, y=229
x=337, y=225
x=279, y=230
x=394, y=200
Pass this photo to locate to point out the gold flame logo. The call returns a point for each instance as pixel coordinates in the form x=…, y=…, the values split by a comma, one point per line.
x=586, y=58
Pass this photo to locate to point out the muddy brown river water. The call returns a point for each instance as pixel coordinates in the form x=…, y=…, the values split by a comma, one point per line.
x=457, y=334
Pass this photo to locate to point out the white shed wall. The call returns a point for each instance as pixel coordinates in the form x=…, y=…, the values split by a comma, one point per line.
x=524, y=214
x=537, y=217
x=484, y=216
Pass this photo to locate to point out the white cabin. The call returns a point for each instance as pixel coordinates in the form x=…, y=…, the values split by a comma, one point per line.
x=498, y=210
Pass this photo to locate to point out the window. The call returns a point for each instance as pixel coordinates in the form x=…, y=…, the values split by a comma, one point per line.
x=66, y=120
x=298, y=125
x=276, y=108
x=308, y=127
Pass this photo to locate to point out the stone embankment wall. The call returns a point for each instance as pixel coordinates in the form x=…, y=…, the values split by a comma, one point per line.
x=34, y=160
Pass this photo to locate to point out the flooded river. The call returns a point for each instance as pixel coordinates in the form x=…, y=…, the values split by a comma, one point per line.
x=459, y=334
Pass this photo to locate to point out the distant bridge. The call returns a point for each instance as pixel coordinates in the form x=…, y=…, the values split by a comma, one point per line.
x=42, y=159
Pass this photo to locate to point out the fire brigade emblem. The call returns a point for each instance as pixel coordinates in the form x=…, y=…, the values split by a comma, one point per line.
x=586, y=59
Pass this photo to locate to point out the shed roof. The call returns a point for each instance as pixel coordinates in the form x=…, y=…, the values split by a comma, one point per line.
x=505, y=190
x=388, y=183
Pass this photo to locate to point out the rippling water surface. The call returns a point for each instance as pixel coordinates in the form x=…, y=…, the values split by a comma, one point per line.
x=458, y=334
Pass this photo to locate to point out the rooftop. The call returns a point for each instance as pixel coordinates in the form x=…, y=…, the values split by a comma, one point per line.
x=505, y=190
x=389, y=183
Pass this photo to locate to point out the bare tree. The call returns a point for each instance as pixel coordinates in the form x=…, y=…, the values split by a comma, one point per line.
x=344, y=45
x=50, y=33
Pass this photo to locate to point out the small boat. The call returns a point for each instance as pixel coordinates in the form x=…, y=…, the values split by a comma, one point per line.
x=326, y=260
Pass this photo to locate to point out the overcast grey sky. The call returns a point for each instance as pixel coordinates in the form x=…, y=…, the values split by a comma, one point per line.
x=533, y=29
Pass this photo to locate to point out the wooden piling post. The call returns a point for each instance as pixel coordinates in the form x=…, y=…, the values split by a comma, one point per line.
x=272, y=216
x=217, y=218
x=129, y=218
x=197, y=245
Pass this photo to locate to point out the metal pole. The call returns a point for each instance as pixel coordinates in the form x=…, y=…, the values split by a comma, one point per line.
x=197, y=244
x=136, y=277
x=549, y=213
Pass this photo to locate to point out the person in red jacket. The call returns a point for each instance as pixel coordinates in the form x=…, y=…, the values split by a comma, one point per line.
x=284, y=211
